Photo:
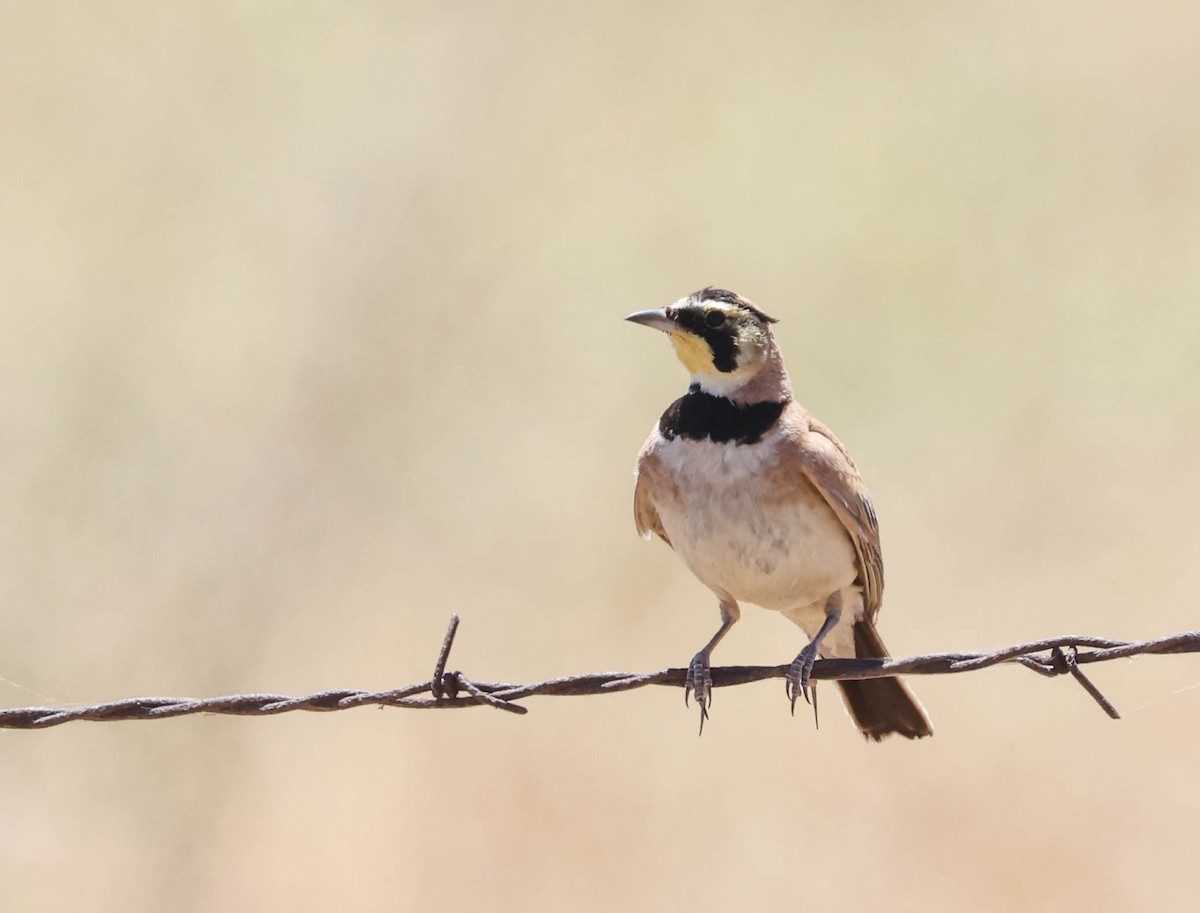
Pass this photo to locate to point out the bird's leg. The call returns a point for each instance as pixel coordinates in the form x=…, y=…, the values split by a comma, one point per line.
x=797, y=680
x=699, y=678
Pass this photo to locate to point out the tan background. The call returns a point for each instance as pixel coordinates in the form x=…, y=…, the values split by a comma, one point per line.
x=310, y=335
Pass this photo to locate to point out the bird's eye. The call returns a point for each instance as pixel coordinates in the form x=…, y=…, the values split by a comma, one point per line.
x=714, y=319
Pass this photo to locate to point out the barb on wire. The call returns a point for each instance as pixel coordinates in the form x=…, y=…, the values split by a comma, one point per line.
x=1051, y=657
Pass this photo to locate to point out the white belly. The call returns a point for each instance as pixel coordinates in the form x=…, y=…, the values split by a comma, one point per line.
x=778, y=550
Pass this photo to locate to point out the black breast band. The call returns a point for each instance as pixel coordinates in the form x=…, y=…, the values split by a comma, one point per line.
x=701, y=416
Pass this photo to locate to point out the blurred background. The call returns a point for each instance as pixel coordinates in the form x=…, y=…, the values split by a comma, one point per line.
x=310, y=335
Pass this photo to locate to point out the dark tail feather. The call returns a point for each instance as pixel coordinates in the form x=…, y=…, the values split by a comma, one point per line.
x=882, y=706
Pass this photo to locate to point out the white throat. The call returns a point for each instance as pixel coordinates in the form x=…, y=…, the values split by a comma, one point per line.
x=722, y=384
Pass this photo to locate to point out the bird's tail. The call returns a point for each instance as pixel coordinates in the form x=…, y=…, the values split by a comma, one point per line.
x=882, y=706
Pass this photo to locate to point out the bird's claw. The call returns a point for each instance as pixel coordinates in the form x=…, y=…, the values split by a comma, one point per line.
x=699, y=683
x=799, y=674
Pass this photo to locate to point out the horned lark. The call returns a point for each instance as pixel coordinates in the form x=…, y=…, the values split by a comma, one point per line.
x=764, y=505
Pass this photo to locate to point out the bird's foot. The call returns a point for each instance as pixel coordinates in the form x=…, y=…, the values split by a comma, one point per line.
x=797, y=680
x=699, y=683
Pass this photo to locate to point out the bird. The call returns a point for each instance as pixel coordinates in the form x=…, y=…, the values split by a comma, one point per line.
x=764, y=505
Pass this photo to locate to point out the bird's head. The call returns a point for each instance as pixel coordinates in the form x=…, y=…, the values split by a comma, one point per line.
x=722, y=338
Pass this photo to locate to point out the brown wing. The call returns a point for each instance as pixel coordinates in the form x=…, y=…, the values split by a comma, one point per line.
x=645, y=514
x=829, y=467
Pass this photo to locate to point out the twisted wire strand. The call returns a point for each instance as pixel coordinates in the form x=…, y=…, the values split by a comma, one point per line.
x=446, y=690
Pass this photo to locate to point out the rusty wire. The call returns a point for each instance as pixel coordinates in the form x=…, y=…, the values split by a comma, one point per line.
x=445, y=690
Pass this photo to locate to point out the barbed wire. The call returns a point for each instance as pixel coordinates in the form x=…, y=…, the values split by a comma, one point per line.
x=445, y=690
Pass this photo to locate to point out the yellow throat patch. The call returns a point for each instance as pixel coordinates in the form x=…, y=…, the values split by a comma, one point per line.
x=694, y=352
